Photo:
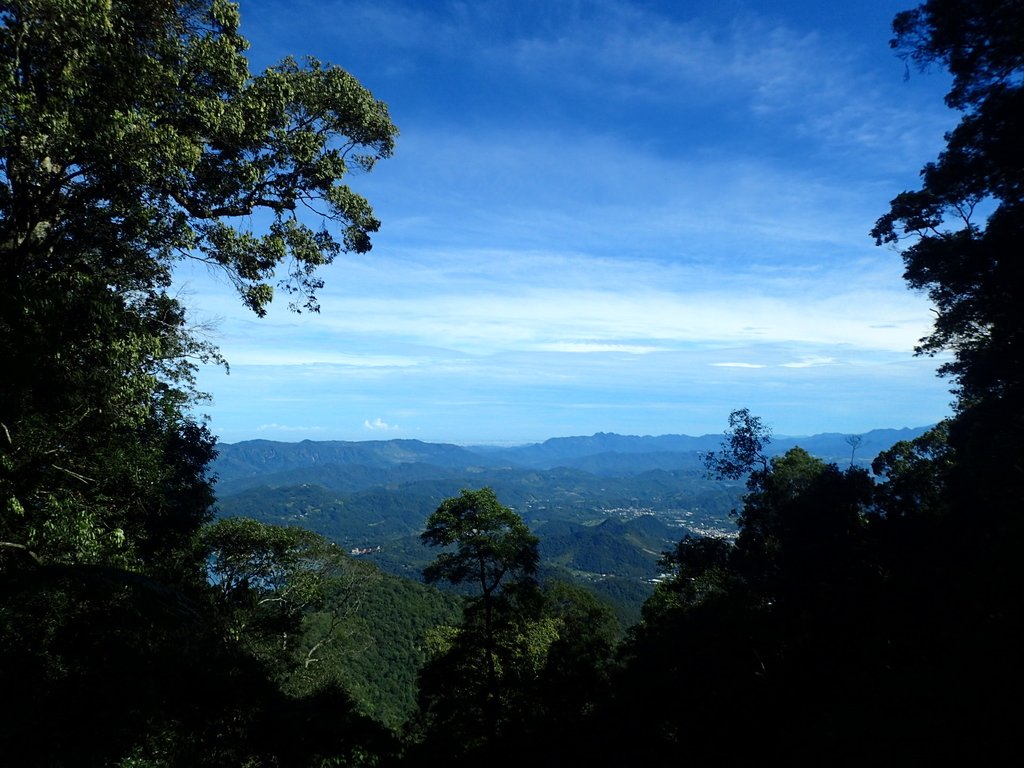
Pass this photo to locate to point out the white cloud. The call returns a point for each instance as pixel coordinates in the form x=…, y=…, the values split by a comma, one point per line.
x=287, y=428
x=379, y=425
x=811, y=362
x=507, y=302
x=595, y=347
x=263, y=353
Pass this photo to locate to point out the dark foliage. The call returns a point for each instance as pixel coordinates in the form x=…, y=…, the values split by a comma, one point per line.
x=858, y=622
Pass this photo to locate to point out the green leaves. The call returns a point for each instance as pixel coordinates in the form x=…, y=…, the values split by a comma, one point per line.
x=154, y=106
x=132, y=135
x=253, y=564
x=287, y=590
x=743, y=448
x=491, y=541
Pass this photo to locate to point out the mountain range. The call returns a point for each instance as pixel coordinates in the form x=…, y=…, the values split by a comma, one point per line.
x=605, y=454
x=605, y=506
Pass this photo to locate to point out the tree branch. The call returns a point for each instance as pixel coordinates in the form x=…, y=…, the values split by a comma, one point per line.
x=23, y=548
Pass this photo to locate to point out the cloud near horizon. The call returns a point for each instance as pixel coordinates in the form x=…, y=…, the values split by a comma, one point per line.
x=379, y=425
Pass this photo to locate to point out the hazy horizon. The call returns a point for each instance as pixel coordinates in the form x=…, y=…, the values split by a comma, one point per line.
x=517, y=443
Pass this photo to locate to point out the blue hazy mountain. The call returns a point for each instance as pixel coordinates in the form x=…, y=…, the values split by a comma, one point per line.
x=354, y=465
x=605, y=507
x=610, y=453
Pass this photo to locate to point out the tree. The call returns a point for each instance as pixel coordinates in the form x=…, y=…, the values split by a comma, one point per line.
x=916, y=474
x=892, y=608
x=553, y=657
x=960, y=260
x=493, y=549
x=491, y=542
x=699, y=568
x=966, y=222
x=132, y=136
x=854, y=442
x=743, y=447
x=136, y=131
x=287, y=592
x=773, y=631
x=801, y=525
x=956, y=496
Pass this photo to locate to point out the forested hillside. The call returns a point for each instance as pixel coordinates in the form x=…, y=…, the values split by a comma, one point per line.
x=856, y=616
x=588, y=499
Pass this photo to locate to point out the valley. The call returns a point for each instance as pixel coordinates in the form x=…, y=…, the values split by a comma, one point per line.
x=605, y=507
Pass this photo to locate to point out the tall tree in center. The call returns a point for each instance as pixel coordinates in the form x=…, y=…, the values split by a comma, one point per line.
x=490, y=548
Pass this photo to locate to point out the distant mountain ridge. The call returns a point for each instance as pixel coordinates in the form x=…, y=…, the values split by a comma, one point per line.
x=604, y=453
x=826, y=445
x=605, y=506
x=263, y=457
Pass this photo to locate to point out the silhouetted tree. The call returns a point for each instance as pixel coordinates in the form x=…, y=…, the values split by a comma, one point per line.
x=955, y=500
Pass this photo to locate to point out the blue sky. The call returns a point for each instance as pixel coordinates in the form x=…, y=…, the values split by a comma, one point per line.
x=616, y=216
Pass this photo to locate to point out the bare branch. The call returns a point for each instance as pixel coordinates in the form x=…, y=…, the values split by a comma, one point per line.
x=23, y=548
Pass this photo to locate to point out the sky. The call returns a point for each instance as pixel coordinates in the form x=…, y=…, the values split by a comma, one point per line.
x=601, y=216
